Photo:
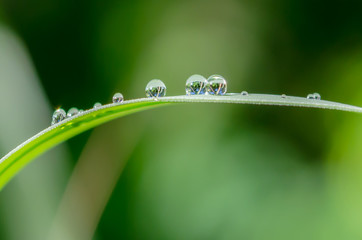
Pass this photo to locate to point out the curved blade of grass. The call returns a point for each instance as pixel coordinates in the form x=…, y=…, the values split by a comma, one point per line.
x=11, y=163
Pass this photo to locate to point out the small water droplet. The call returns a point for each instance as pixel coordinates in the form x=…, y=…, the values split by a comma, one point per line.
x=97, y=105
x=81, y=111
x=117, y=98
x=244, y=93
x=196, y=85
x=317, y=96
x=58, y=116
x=217, y=85
x=155, y=88
x=284, y=96
x=310, y=96
x=72, y=112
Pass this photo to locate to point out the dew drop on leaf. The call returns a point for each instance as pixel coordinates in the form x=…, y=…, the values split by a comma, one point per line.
x=317, y=96
x=244, y=93
x=196, y=85
x=58, y=116
x=72, y=112
x=117, y=98
x=217, y=85
x=310, y=96
x=155, y=88
x=97, y=105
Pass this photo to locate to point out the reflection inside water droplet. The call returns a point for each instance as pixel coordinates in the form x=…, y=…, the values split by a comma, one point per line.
x=217, y=85
x=317, y=96
x=155, y=88
x=117, y=98
x=196, y=85
x=58, y=116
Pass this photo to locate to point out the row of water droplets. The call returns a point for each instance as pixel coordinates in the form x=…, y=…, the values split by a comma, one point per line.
x=195, y=85
x=199, y=85
x=59, y=114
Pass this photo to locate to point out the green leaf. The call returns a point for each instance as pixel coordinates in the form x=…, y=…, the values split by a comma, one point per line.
x=15, y=160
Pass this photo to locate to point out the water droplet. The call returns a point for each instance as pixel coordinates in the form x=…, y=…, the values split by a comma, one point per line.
x=284, y=96
x=310, y=96
x=81, y=111
x=196, y=85
x=217, y=85
x=117, y=98
x=72, y=112
x=244, y=93
x=317, y=96
x=97, y=105
x=58, y=116
x=155, y=88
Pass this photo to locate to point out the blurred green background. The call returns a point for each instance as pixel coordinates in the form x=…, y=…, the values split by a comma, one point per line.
x=192, y=171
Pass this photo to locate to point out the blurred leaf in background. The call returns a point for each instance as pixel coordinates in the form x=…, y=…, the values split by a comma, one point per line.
x=28, y=204
x=193, y=171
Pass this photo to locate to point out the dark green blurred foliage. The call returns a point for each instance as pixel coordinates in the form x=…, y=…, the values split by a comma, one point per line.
x=204, y=171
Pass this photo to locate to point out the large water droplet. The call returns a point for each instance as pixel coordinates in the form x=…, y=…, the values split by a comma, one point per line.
x=97, y=105
x=217, y=85
x=117, y=98
x=317, y=96
x=196, y=85
x=58, y=116
x=72, y=112
x=155, y=88
x=244, y=93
